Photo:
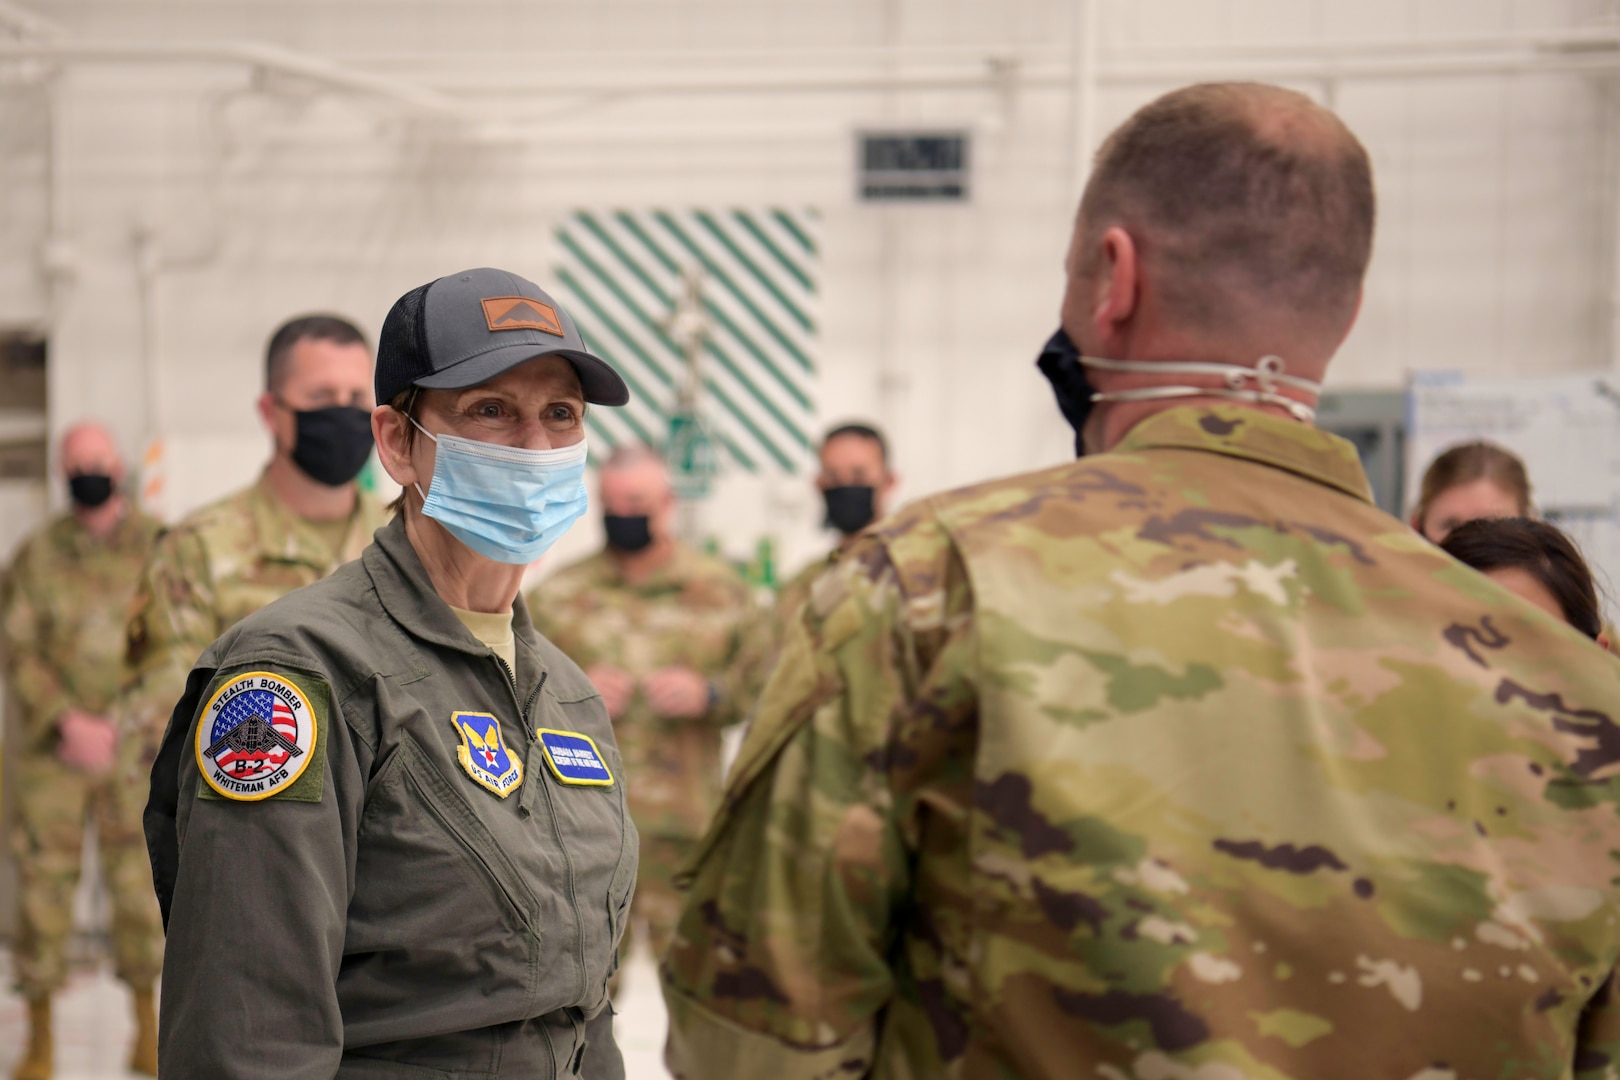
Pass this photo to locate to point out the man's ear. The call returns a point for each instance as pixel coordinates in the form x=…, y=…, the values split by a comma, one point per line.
x=1120, y=282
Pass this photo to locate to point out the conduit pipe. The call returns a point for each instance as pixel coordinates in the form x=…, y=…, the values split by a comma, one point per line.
x=1584, y=52
x=28, y=24
x=417, y=98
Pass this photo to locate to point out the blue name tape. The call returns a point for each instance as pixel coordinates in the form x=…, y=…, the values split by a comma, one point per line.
x=574, y=758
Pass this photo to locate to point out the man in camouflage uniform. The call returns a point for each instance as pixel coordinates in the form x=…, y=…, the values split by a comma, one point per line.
x=670, y=637
x=1183, y=760
x=302, y=519
x=855, y=482
x=62, y=615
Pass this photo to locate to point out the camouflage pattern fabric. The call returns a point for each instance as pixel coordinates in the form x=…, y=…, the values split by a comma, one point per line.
x=791, y=596
x=1182, y=762
x=62, y=613
x=205, y=575
x=697, y=612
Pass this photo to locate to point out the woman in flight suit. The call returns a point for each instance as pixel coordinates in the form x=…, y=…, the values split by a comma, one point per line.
x=387, y=823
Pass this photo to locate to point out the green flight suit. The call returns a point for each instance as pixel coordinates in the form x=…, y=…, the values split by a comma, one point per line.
x=387, y=913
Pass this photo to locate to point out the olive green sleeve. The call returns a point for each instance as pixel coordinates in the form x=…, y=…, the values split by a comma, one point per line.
x=603, y=1061
x=36, y=684
x=256, y=896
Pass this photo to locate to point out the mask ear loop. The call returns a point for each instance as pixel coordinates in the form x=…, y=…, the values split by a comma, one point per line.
x=417, y=484
x=1267, y=373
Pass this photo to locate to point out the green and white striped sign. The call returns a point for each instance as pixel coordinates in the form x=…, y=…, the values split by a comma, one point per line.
x=622, y=275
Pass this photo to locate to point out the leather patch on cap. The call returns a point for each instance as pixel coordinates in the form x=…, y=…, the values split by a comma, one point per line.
x=521, y=313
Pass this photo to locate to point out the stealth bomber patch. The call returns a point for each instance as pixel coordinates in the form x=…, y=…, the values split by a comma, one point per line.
x=255, y=738
x=573, y=758
x=484, y=755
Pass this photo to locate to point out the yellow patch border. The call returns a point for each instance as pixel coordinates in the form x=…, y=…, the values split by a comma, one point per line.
x=464, y=752
x=314, y=736
x=540, y=734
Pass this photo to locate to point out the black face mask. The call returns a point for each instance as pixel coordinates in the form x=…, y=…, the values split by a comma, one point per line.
x=1060, y=363
x=332, y=444
x=91, y=490
x=850, y=509
x=628, y=533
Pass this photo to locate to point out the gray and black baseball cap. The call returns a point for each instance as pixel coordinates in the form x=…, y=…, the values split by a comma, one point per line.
x=467, y=328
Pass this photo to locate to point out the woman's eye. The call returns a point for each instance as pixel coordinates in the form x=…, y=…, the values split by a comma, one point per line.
x=489, y=410
x=562, y=414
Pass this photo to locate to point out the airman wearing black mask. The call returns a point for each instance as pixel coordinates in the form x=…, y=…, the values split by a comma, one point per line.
x=855, y=484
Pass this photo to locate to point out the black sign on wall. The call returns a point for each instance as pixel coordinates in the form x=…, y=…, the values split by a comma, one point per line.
x=914, y=166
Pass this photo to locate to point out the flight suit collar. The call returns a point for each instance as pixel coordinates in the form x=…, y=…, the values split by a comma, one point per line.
x=407, y=594
x=1235, y=431
x=285, y=536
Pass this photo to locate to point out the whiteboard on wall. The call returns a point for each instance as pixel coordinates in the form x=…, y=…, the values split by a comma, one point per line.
x=1566, y=429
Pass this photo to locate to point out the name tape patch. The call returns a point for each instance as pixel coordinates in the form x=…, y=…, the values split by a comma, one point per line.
x=255, y=737
x=484, y=755
x=574, y=758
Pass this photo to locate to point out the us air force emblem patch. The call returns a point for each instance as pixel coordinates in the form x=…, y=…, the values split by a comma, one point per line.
x=484, y=754
x=574, y=758
x=256, y=736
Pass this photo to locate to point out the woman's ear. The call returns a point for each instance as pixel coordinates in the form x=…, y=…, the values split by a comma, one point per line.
x=392, y=431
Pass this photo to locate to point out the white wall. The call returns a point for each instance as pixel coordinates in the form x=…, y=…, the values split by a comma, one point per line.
x=196, y=204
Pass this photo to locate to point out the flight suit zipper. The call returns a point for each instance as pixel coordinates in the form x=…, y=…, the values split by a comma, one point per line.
x=524, y=715
x=524, y=708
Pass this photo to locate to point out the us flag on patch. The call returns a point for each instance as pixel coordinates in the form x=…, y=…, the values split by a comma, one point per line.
x=255, y=733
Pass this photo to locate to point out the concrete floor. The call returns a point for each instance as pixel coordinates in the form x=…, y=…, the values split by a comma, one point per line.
x=93, y=1026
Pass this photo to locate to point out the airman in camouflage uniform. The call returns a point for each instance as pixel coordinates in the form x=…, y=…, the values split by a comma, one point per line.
x=62, y=614
x=855, y=482
x=291, y=528
x=1181, y=761
x=671, y=637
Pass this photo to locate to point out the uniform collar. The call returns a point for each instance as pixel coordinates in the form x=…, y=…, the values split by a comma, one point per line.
x=407, y=594
x=672, y=576
x=127, y=534
x=288, y=537
x=1235, y=431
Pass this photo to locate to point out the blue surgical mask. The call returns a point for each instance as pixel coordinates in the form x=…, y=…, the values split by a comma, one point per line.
x=504, y=502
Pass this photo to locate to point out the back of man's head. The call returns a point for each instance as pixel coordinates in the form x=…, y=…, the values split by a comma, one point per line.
x=333, y=328
x=1241, y=198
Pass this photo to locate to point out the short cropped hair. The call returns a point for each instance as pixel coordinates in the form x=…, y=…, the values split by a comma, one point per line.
x=861, y=431
x=1239, y=190
x=331, y=328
